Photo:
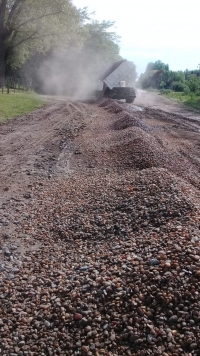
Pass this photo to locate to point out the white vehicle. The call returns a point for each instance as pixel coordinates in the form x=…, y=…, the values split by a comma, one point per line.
x=111, y=81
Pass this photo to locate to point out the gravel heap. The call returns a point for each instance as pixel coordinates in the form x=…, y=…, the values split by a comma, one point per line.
x=134, y=149
x=117, y=272
x=111, y=263
x=125, y=119
x=132, y=144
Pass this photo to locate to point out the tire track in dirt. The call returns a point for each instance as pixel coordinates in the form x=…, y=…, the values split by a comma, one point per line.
x=34, y=137
x=48, y=141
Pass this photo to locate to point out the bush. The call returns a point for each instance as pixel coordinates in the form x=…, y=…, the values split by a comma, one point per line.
x=178, y=86
x=194, y=83
x=162, y=85
x=186, y=90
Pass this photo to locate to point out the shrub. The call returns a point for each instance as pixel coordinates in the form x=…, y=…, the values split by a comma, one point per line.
x=194, y=83
x=186, y=90
x=178, y=86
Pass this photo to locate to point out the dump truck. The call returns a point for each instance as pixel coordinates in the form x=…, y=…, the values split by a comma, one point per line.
x=112, y=80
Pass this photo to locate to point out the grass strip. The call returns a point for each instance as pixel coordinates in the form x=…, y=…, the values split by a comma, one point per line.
x=18, y=104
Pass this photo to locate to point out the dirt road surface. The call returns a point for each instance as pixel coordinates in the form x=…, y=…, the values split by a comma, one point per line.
x=31, y=145
x=100, y=229
x=158, y=101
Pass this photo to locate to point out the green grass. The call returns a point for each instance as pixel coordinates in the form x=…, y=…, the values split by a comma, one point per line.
x=192, y=100
x=17, y=104
x=193, y=103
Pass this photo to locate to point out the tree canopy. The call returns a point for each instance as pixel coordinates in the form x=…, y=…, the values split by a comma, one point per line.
x=36, y=29
x=159, y=76
x=101, y=43
x=75, y=66
x=27, y=26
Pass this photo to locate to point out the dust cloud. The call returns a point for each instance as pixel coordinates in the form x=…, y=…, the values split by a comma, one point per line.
x=69, y=74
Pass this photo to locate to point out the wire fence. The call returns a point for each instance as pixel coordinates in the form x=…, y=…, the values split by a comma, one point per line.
x=15, y=84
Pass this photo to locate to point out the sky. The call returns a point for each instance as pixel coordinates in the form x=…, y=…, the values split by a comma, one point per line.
x=153, y=30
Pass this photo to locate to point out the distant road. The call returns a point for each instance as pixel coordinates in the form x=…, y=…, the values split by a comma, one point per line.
x=156, y=101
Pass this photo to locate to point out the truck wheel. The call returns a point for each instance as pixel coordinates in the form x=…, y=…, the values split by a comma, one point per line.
x=130, y=100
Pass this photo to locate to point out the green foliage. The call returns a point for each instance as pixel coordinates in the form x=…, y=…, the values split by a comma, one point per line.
x=154, y=75
x=64, y=71
x=162, y=84
x=179, y=86
x=36, y=29
x=158, y=65
x=152, y=79
x=165, y=91
x=179, y=76
x=55, y=24
x=192, y=100
x=54, y=44
x=101, y=44
x=194, y=83
x=28, y=26
x=186, y=90
x=13, y=105
x=158, y=76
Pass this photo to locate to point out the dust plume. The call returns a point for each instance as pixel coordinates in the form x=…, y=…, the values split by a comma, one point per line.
x=67, y=73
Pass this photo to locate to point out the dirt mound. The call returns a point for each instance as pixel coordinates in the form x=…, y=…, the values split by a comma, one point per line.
x=129, y=143
x=137, y=145
x=123, y=123
x=136, y=154
x=126, y=120
x=148, y=199
x=116, y=254
x=111, y=105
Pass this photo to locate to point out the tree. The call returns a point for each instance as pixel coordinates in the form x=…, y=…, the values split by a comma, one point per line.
x=157, y=65
x=72, y=69
x=194, y=83
x=29, y=25
x=156, y=75
x=101, y=44
x=150, y=67
x=151, y=79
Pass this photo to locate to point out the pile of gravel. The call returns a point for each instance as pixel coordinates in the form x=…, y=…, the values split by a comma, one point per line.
x=134, y=149
x=117, y=272
x=106, y=263
x=132, y=143
x=126, y=120
x=111, y=106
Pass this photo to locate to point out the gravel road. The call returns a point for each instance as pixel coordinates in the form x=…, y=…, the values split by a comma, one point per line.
x=158, y=101
x=100, y=230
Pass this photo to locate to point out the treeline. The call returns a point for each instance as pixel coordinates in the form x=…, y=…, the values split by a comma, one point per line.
x=159, y=76
x=50, y=39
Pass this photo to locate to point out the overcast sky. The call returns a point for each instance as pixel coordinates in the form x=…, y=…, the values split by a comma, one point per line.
x=153, y=29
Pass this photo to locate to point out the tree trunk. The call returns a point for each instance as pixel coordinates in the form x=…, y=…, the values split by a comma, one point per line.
x=3, y=5
x=2, y=61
